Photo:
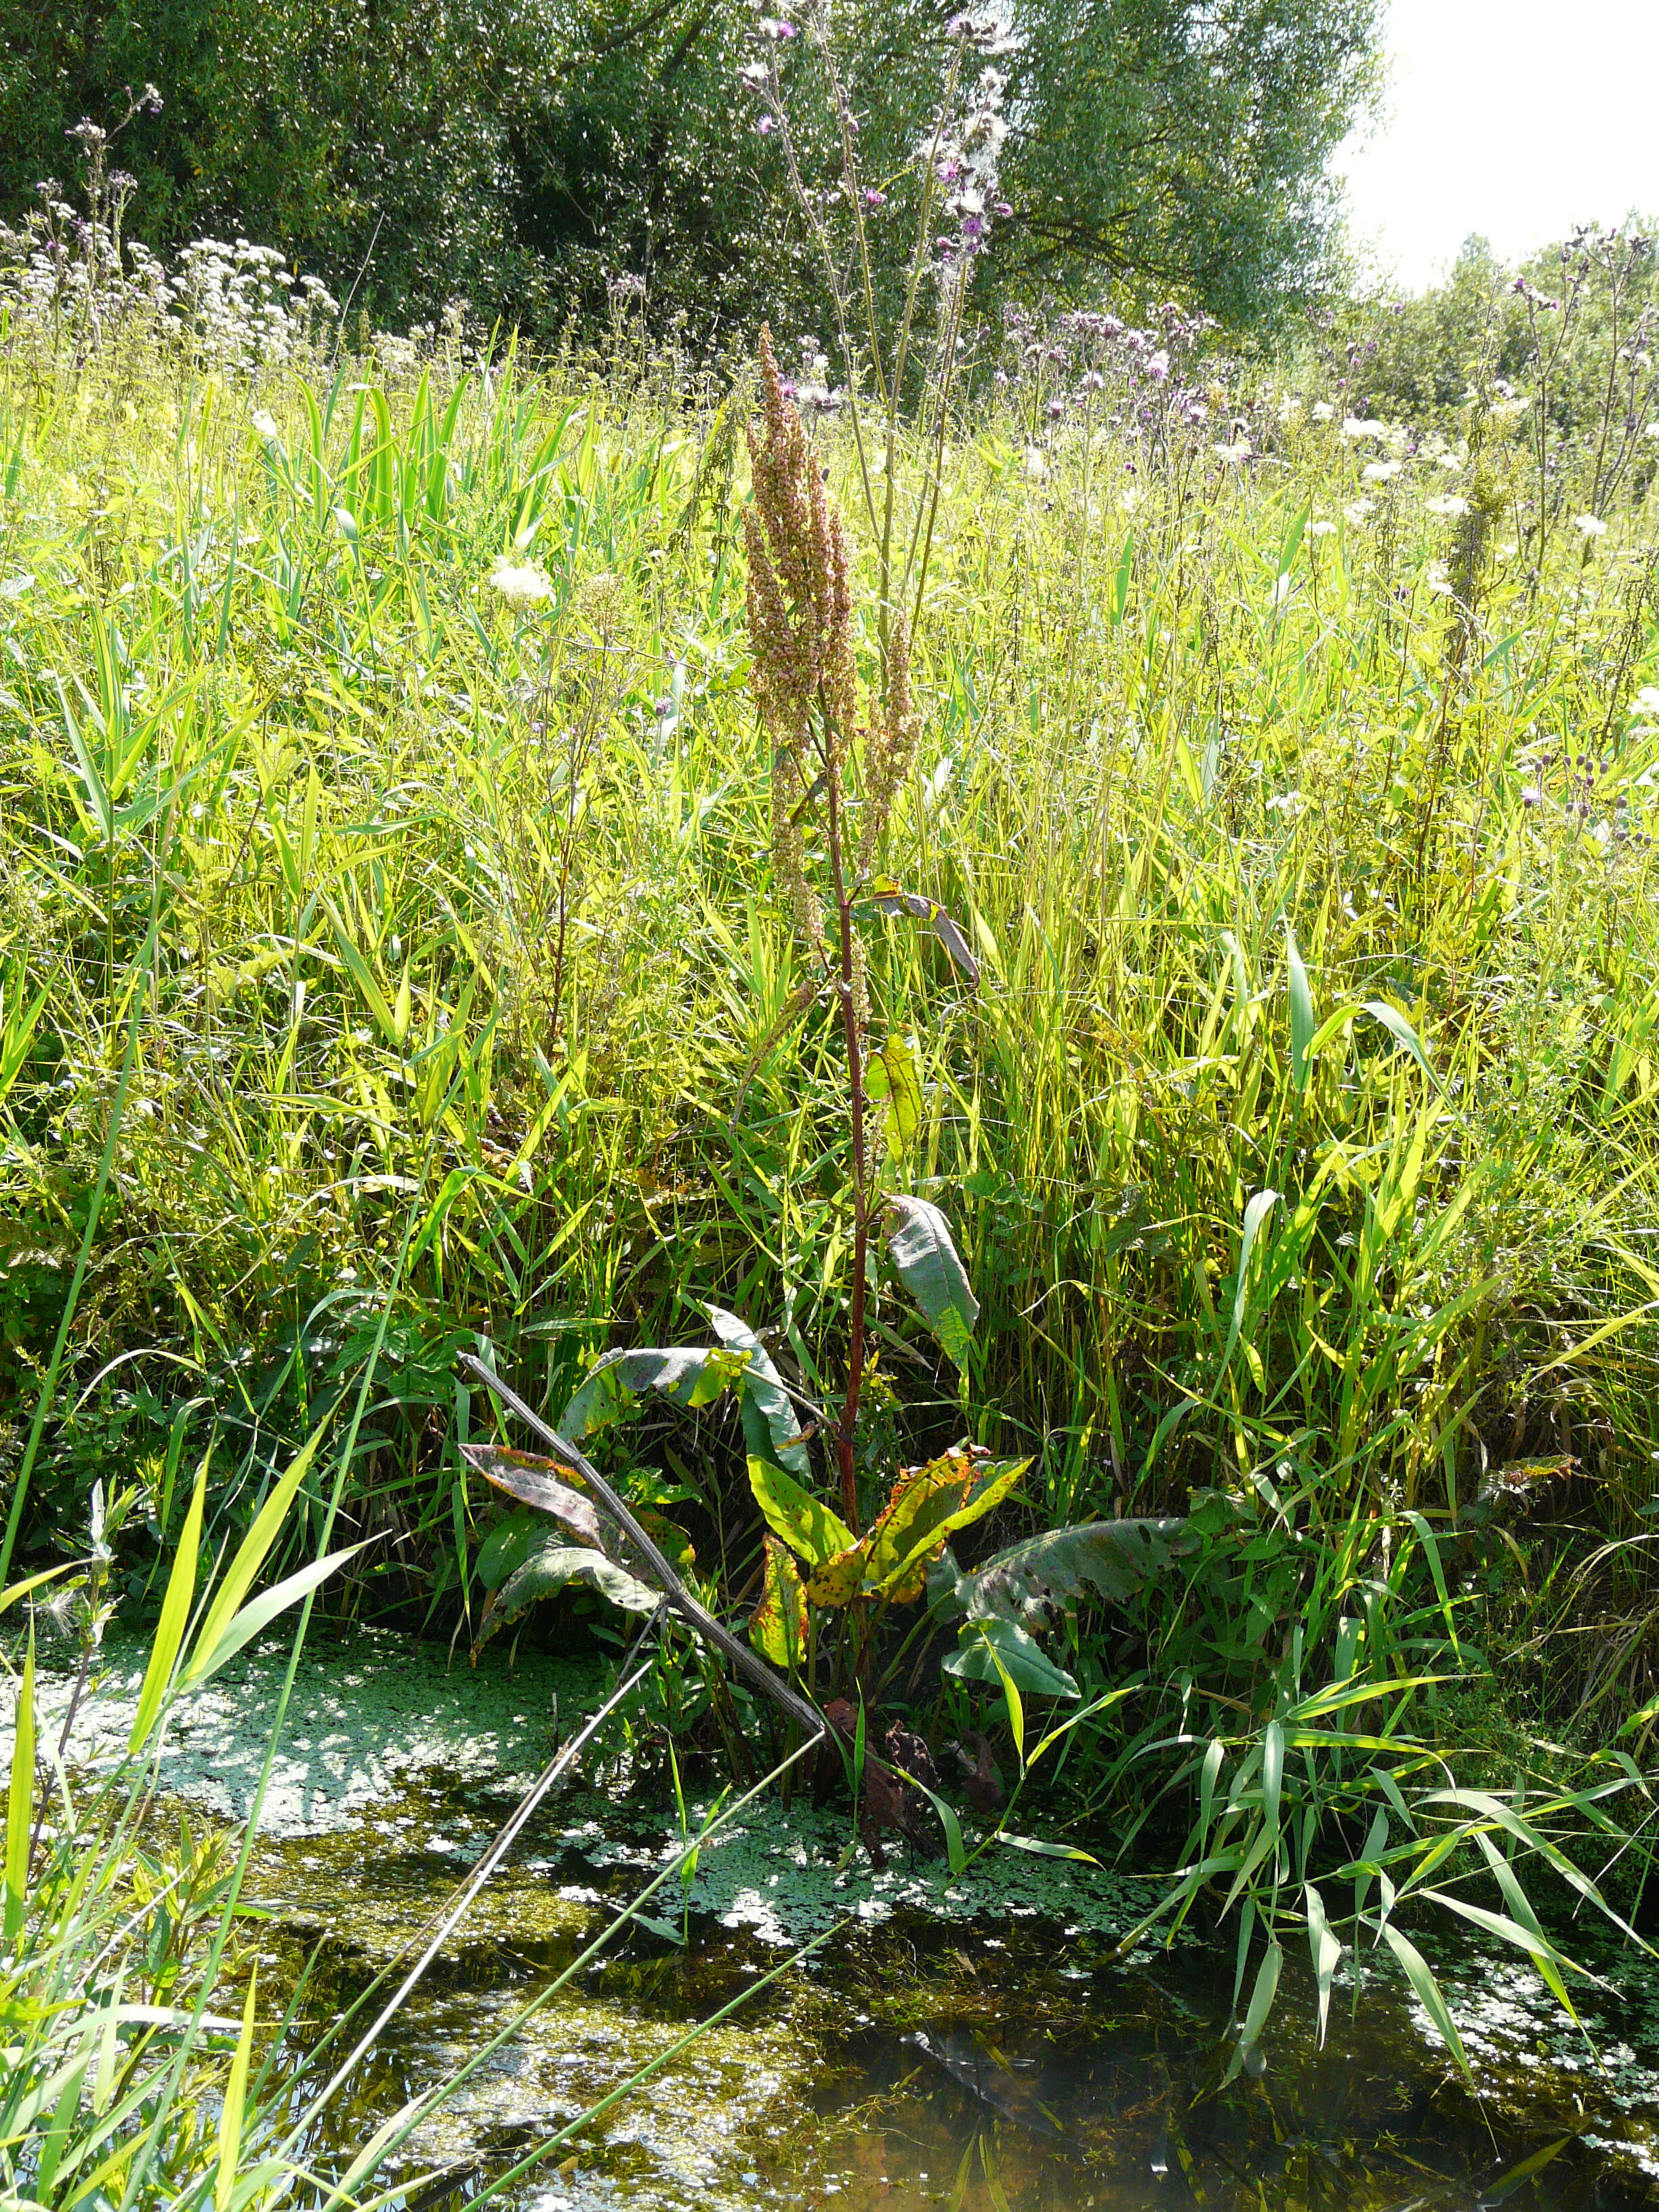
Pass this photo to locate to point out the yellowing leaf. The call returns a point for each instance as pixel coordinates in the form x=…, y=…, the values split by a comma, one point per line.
x=777, y=1628
x=890, y=1074
x=805, y=1524
x=839, y=1581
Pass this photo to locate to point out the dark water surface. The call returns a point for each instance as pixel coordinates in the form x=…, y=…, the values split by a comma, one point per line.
x=968, y=2042
x=1014, y=2062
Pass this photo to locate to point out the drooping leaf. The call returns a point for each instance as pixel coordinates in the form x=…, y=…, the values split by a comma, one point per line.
x=1254, y=1214
x=777, y=1627
x=1263, y=1993
x=1026, y=1665
x=804, y=1522
x=892, y=898
x=552, y=1568
x=1428, y=1993
x=1403, y=1033
x=1302, y=1013
x=890, y=1074
x=1327, y=1953
x=764, y=1396
x=686, y=1375
x=544, y=1484
x=927, y=1264
x=509, y=1544
x=1114, y=1559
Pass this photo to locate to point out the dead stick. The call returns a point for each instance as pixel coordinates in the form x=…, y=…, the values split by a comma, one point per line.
x=700, y=1621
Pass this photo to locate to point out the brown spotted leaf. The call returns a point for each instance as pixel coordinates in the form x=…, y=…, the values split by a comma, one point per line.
x=840, y=1579
x=777, y=1627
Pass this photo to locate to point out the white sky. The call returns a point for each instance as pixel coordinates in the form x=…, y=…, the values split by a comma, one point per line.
x=1516, y=119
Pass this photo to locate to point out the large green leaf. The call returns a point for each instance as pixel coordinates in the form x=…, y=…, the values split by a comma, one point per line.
x=927, y=1264
x=686, y=1375
x=551, y=1569
x=544, y=1484
x=1114, y=1559
x=764, y=1396
x=805, y=1524
x=1027, y=1667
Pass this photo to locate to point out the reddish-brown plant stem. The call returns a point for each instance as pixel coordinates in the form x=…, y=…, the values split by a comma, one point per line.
x=846, y=1428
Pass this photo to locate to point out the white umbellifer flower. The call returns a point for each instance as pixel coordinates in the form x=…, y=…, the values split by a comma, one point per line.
x=1363, y=426
x=1238, y=451
x=1289, y=803
x=265, y=423
x=1290, y=408
x=1646, y=701
x=1035, y=467
x=1379, y=472
x=1652, y=430
x=1360, y=510
x=1446, y=502
x=1321, y=410
x=1439, y=579
x=1320, y=529
x=1589, y=525
x=521, y=585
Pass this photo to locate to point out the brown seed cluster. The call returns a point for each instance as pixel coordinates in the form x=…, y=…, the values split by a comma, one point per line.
x=800, y=629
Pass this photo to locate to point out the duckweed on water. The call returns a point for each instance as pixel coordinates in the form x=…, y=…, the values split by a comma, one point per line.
x=979, y=2030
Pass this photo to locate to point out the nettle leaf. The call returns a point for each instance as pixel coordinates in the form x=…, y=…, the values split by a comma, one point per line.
x=1115, y=1558
x=927, y=1505
x=686, y=1375
x=1028, y=1669
x=551, y=1569
x=770, y=1424
x=926, y=1263
x=805, y=1524
x=890, y=1074
x=777, y=1627
x=543, y=1483
x=892, y=898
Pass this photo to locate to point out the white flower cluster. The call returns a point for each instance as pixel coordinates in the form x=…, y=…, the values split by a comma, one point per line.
x=235, y=306
x=243, y=309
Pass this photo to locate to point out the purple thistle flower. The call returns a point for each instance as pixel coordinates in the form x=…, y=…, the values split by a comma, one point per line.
x=872, y=198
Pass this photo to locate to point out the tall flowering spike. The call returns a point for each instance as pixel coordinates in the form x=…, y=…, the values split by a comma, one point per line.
x=800, y=624
x=800, y=600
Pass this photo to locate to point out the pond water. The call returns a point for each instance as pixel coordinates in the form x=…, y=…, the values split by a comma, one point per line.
x=975, y=2042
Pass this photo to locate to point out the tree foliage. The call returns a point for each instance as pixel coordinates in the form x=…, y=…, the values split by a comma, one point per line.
x=526, y=153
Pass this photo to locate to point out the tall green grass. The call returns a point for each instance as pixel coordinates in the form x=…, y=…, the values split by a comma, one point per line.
x=1300, y=1138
